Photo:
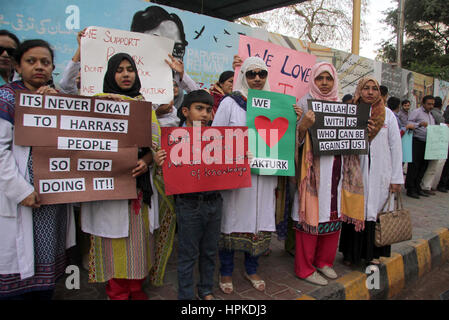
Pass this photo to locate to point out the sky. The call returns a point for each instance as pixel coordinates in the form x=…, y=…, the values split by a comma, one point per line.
x=376, y=29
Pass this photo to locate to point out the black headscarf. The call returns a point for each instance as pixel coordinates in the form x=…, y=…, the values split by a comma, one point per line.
x=109, y=83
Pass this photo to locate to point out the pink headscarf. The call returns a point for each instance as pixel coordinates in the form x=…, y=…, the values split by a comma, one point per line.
x=317, y=69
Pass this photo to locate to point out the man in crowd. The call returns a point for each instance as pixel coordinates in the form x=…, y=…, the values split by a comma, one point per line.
x=420, y=118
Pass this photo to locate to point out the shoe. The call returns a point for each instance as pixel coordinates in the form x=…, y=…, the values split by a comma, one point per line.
x=429, y=192
x=212, y=297
x=315, y=278
x=259, y=285
x=442, y=189
x=328, y=272
x=225, y=287
x=413, y=195
x=421, y=193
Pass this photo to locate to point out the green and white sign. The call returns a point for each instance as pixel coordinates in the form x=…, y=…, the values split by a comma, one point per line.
x=271, y=122
x=437, y=142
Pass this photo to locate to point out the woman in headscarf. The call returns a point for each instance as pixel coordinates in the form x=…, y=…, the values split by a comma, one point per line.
x=329, y=188
x=221, y=88
x=122, y=246
x=248, y=214
x=33, y=237
x=382, y=173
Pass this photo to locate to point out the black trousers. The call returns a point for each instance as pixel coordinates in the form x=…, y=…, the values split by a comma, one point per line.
x=417, y=168
x=444, y=180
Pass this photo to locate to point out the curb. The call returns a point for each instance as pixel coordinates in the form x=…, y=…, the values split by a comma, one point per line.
x=411, y=261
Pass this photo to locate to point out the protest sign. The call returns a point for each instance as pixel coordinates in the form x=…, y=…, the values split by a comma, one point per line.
x=339, y=128
x=84, y=148
x=437, y=141
x=271, y=121
x=407, y=146
x=148, y=51
x=205, y=159
x=288, y=70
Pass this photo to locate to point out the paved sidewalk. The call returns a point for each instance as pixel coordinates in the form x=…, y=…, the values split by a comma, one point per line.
x=428, y=215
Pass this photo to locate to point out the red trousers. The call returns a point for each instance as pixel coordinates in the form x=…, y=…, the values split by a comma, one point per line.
x=125, y=289
x=314, y=251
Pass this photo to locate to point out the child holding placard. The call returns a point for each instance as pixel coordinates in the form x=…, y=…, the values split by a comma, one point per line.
x=198, y=214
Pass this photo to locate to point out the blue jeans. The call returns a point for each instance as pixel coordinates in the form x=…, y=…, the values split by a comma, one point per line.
x=199, y=222
x=227, y=263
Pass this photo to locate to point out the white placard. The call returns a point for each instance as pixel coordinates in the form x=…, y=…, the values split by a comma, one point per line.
x=148, y=51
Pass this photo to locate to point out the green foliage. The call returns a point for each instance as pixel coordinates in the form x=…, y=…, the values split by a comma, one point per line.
x=427, y=47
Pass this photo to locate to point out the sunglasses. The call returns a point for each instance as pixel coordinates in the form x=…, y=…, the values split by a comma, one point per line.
x=252, y=74
x=10, y=51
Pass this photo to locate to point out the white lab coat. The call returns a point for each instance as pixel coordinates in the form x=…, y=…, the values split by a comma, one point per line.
x=385, y=167
x=110, y=218
x=248, y=210
x=16, y=221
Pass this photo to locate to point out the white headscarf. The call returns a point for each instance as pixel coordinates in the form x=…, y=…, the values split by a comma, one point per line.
x=250, y=63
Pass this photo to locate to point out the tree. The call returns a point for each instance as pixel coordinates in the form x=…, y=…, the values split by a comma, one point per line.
x=427, y=29
x=325, y=22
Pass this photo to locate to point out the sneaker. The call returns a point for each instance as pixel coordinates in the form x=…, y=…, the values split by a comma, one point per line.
x=315, y=278
x=328, y=272
x=442, y=189
x=429, y=192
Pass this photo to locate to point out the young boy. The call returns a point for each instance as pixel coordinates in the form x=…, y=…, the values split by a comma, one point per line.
x=198, y=214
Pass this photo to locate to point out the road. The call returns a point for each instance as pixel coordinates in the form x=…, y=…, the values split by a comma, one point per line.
x=432, y=286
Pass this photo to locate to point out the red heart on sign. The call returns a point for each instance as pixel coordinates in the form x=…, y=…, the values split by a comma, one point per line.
x=280, y=124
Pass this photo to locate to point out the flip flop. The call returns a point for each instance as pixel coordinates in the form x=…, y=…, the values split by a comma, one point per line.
x=257, y=284
x=225, y=287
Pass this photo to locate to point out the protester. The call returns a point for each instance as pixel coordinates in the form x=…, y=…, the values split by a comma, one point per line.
x=70, y=80
x=403, y=115
x=198, y=215
x=320, y=202
x=435, y=167
x=167, y=113
x=33, y=237
x=8, y=45
x=347, y=98
x=248, y=213
x=384, y=93
x=221, y=88
x=121, y=229
x=393, y=103
x=420, y=118
x=382, y=173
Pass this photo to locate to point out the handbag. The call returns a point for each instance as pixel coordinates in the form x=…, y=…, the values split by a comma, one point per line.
x=393, y=226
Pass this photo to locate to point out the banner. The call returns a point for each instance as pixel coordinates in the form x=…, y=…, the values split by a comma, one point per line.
x=148, y=51
x=205, y=159
x=339, y=128
x=84, y=148
x=407, y=146
x=271, y=121
x=437, y=142
x=288, y=70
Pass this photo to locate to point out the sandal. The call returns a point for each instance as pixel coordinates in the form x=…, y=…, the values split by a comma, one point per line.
x=225, y=287
x=257, y=284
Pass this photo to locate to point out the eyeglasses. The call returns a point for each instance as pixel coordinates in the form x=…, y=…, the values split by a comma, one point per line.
x=10, y=51
x=252, y=74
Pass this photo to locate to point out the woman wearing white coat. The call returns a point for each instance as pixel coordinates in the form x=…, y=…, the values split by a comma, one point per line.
x=248, y=213
x=33, y=237
x=382, y=172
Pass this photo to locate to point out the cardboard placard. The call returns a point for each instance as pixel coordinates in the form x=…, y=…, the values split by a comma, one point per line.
x=66, y=176
x=84, y=148
x=339, y=128
x=205, y=159
x=271, y=121
x=288, y=70
x=148, y=52
x=437, y=141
